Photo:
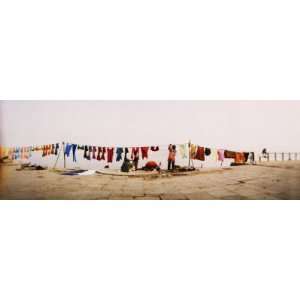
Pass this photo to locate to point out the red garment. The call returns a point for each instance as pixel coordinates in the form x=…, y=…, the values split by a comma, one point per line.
x=103, y=153
x=110, y=154
x=135, y=153
x=94, y=152
x=200, y=153
x=144, y=152
x=48, y=149
x=151, y=164
x=98, y=155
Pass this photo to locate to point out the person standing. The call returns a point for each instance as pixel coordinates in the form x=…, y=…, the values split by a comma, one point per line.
x=171, y=157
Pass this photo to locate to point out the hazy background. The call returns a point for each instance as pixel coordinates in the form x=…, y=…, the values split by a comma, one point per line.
x=237, y=125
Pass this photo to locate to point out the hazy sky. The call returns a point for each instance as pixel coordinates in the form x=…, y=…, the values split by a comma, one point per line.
x=236, y=125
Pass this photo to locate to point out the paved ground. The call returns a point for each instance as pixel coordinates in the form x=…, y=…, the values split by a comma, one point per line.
x=274, y=180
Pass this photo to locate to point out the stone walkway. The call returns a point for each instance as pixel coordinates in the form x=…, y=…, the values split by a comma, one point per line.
x=274, y=180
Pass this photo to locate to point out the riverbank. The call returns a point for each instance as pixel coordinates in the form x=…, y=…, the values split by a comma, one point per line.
x=273, y=180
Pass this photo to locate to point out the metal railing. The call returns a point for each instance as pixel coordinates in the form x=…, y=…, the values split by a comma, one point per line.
x=279, y=156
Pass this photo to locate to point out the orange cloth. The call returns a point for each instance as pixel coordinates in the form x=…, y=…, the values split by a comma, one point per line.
x=239, y=158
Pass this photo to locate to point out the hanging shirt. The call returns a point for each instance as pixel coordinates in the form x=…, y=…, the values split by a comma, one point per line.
x=119, y=152
x=184, y=150
x=68, y=149
x=99, y=153
x=110, y=154
x=144, y=151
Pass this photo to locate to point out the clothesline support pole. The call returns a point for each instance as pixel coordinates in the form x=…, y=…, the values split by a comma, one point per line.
x=63, y=144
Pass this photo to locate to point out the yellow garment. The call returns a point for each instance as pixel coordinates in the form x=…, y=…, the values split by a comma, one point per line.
x=193, y=150
x=214, y=154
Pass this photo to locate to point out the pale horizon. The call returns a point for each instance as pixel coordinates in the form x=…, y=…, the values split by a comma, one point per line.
x=236, y=125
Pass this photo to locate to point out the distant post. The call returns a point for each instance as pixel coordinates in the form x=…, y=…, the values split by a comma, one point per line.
x=268, y=156
x=275, y=156
x=289, y=155
x=282, y=154
x=295, y=155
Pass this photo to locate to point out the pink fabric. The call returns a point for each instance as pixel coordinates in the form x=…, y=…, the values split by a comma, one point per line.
x=221, y=154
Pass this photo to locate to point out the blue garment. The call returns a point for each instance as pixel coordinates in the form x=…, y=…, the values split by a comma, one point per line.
x=74, y=147
x=68, y=149
x=119, y=152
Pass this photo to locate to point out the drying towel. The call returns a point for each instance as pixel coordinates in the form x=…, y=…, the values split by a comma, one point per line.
x=239, y=158
x=229, y=154
x=184, y=150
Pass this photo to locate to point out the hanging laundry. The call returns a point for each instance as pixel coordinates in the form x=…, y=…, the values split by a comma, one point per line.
x=94, y=152
x=229, y=154
x=44, y=151
x=48, y=149
x=74, y=147
x=90, y=152
x=239, y=158
x=110, y=154
x=144, y=151
x=80, y=147
x=135, y=153
x=200, y=153
x=103, y=153
x=220, y=154
x=246, y=154
x=214, y=154
x=184, y=150
x=154, y=148
x=56, y=149
x=68, y=149
x=207, y=151
x=119, y=152
x=86, y=150
x=193, y=150
x=98, y=153
x=52, y=149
